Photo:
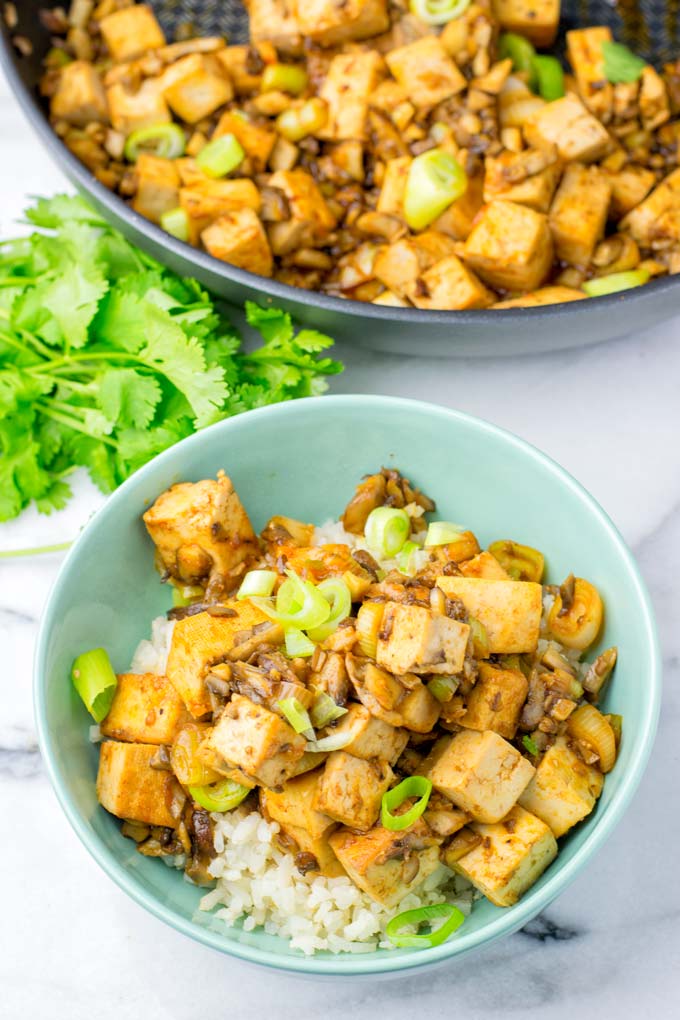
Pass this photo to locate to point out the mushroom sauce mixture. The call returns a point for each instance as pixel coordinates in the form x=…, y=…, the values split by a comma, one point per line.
x=407, y=155
x=395, y=700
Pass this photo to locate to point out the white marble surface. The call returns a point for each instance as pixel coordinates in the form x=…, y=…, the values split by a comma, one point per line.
x=75, y=947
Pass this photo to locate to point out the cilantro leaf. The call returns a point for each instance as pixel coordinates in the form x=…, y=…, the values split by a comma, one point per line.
x=273, y=324
x=620, y=64
x=128, y=397
x=73, y=298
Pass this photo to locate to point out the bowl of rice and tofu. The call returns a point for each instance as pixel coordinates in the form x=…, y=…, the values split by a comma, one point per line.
x=367, y=739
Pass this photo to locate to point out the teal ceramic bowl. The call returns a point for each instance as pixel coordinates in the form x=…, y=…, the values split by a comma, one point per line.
x=303, y=459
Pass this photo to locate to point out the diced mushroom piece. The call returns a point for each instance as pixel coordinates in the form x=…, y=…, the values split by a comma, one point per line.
x=656, y=221
x=481, y=773
x=509, y=610
x=311, y=219
x=80, y=98
x=544, y=296
x=536, y=19
x=579, y=211
x=567, y=124
x=130, y=111
x=484, y=565
x=257, y=139
x=413, y=639
x=510, y=246
x=257, y=741
x=371, y=737
x=199, y=92
x=346, y=90
x=292, y=806
x=425, y=70
x=449, y=284
x=351, y=789
x=584, y=49
x=239, y=238
x=630, y=186
x=157, y=186
x=205, y=201
x=529, y=177
x=330, y=23
x=130, y=32
x=496, y=700
x=564, y=789
x=145, y=708
x=511, y=856
x=275, y=21
x=654, y=102
x=129, y=787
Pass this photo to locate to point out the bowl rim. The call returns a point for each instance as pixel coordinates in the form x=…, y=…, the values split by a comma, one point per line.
x=361, y=964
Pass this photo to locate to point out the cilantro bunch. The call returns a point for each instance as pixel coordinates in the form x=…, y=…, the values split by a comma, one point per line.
x=107, y=357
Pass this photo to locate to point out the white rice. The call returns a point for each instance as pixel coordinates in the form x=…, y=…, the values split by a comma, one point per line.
x=152, y=656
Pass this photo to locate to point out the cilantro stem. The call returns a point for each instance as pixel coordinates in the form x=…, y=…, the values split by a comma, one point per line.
x=28, y=337
x=10, y=554
x=71, y=423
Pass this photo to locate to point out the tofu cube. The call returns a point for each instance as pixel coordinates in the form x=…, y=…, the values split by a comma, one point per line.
x=496, y=700
x=383, y=864
x=584, y=49
x=346, y=90
x=510, y=610
x=399, y=266
x=130, y=32
x=200, y=528
x=481, y=773
x=257, y=140
x=536, y=19
x=419, y=710
x=510, y=246
x=157, y=186
x=391, y=197
x=657, y=218
x=654, y=102
x=543, y=296
x=457, y=221
x=258, y=742
x=371, y=737
x=292, y=806
x=426, y=72
x=130, y=111
x=630, y=186
x=450, y=285
x=350, y=790
x=309, y=212
x=275, y=21
x=579, y=211
x=330, y=23
x=205, y=201
x=535, y=190
x=239, y=238
x=245, y=73
x=413, y=640
x=564, y=789
x=567, y=124
x=484, y=565
x=80, y=97
x=200, y=92
x=129, y=787
x=513, y=854
x=146, y=708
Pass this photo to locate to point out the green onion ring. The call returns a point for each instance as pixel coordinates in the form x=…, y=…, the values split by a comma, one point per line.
x=412, y=786
x=454, y=919
x=339, y=598
x=386, y=530
x=94, y=679
x=164, y=140
x=257, y=582
x=222, y=796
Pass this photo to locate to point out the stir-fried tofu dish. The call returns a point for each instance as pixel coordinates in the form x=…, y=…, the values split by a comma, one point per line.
x=413, y=156
x=352, y=728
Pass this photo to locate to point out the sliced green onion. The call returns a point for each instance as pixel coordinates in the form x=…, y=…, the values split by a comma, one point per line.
x=412, y=786
x=185, y=595
x=443, y=532
x=176, y=222
x=435, y=180
x=95, y=681
x=221, y=156
x=298, y=604
x=615, y=282
x=620, y=64
x=521, y=52
x=325, y=711
x=386, y=530
x=299, y=121
x=297, y=715
x=481, y=648
x=289, y=78
x=334, y=742
x=442, y=687
x=257, y=582
x=406, y=559
x=423, y=915
x=222, y=796
x=298, y=644
x=438, y=12
x=165, y=140
x=337, y=594
x=549, y=78
x=530, y=744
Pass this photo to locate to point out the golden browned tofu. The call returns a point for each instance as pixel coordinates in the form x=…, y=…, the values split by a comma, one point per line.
x=512, y=855
x=346, y=90
x=256, y=139
x=630, y=186
x=146, y=708
x=426, y=72
x=157, y=186
x=567, y=124
x=387, y=865
x=275, y=21
x=330, y=23
x=654, y=102
x=481, y=773
x=457, y=221
x=200, y=528
x=131, y=31
x=130, y=111
x=239, y=238
x=579, y=211
x=535, y=19
x=204, y=201
x=544, y=296
x=510, y=610
x=245, y=73
x=292, y=806
x=504, y=179
x=80, y=98
x=449, y=284
x=419, y=710
x=371, y=737
x=391, y=198
x=399, y=265
x=200, y=92
x=564, y=789
x=584, y=49
x=510, y=246
x=311, y=220
x=413, y=639
x=351, y=789
x=258, y=742
x=484, y=565
x=496, y=700
x=657, y=218
x=129, y=787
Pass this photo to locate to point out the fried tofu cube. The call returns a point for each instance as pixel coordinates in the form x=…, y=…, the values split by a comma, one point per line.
x=130, y=788
x=484, y=565
x=205, y=201
x=399, y=265
x=351, y=789
x=654, y=102
x=130, y=32
x=371, y=737
x=376, y=861
x=275, y=21
x=426, y=72
x=481, y=773
x=419, y=710
x=584, y=49
x=157, y=186
x=512, y=855
x=449, y=284
x=543, y=296
x=579, y=211
x=200, y=528
x=239, y=238
x=310, y=214
x=567, y=124
x=145, y=708
x=630, y=186
x=243, y=67
x=257, y=141
x=130, y=111
x=292, y=806
x=346, y=90
x=80, y=97
x=257, y=741
x=200, y=92
x=657, y=218
x=413, y=639
x=391, y=197
x=496, y=700
x=510, y=246
x=330, y=23
x=458, y=219
x=535, y=190
x=510, y=610
x=537, y=20
x=564, y=789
